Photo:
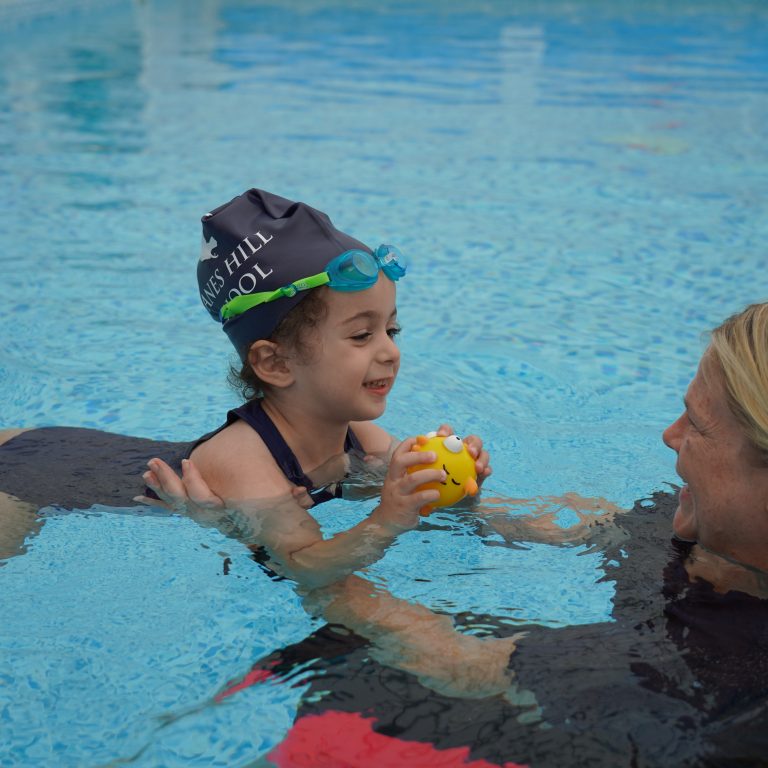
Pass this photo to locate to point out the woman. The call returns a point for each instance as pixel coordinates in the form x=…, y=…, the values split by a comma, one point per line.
x=721, y=441
x=679, y=675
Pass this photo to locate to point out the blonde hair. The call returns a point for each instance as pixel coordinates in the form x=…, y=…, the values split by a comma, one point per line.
x=740, y=347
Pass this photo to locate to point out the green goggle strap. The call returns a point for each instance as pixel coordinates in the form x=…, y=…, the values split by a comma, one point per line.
x=241, y=304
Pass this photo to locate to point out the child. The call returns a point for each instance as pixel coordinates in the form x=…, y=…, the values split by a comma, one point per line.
x=312, y=315
x=311, y=312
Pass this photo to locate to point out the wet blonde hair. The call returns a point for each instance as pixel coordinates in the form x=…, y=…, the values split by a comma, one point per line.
x=740, y=347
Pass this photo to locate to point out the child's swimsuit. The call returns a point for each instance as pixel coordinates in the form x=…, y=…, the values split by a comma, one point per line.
x=253, y=414
x=75, y=468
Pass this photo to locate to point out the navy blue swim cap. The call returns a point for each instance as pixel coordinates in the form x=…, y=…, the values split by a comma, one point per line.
x=261, y=242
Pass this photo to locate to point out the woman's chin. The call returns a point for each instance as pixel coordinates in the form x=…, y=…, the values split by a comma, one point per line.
x=684, y=523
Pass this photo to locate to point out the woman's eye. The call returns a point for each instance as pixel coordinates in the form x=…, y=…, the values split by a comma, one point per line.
x=692, y=422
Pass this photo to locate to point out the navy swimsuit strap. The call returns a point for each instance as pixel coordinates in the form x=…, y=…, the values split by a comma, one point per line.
x=254, y=415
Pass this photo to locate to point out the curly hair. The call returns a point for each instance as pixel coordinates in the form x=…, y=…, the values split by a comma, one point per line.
x=292, y=332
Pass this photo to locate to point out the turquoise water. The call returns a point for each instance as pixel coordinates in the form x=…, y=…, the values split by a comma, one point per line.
x=581, y=186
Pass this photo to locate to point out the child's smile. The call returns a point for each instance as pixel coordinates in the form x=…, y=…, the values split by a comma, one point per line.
x=380, y=386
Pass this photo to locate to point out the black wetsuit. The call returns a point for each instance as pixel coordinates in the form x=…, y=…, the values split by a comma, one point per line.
x=679, y=677
x=74, y=468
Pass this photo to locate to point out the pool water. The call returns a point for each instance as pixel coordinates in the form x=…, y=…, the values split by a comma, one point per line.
x=581, y=186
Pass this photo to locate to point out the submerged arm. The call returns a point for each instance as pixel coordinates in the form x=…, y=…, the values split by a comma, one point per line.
x=413, y=638
x=280, y=521
x=19, y=521
x=536, y=520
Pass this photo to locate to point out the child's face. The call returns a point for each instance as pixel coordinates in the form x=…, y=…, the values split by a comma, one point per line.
x=355, y=360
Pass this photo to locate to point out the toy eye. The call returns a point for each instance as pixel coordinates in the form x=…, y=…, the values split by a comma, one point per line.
x=453, y=443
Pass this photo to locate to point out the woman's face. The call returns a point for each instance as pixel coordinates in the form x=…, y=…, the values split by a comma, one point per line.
x=723, y=503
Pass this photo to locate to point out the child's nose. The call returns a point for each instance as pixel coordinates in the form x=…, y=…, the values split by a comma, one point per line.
x=389, y=351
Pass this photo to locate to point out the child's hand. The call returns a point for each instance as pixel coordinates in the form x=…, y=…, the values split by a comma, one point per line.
x=400, y=498
x=475, y=446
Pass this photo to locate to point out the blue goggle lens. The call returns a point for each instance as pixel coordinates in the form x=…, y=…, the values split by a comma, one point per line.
x=357, y=270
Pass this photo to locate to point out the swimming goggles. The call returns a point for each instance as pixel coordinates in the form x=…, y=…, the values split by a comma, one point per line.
x=353, y=270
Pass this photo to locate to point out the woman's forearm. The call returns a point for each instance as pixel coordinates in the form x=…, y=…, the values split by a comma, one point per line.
x=536, y=520
x=411, y=637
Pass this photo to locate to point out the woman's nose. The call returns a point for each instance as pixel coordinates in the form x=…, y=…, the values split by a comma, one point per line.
x=672, y=434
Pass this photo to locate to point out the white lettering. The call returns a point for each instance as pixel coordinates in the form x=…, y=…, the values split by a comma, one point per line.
x=233, y=263
x=212, y=288
x=257, y=268
x=242, y=285
x=229, y=261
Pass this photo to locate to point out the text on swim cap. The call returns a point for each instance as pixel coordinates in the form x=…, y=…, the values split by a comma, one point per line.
x=248, y=281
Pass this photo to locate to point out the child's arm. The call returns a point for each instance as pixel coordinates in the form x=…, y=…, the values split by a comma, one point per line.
x=295, y=541
x=271, y=514
x=375, y=440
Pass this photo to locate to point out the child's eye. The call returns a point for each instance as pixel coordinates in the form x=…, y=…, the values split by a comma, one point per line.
x=364, y=336
x=394, y=332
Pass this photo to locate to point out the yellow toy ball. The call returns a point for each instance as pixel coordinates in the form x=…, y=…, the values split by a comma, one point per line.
x=455, y=459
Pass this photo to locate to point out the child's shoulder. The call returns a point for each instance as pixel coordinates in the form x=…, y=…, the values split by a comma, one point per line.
x=237, y=464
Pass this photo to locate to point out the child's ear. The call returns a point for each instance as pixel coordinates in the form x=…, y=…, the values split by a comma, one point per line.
x=268, y=364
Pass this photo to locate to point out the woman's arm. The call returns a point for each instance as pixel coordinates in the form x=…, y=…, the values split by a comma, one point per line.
x=413, y=638
x=536, y=520
x=19, y=521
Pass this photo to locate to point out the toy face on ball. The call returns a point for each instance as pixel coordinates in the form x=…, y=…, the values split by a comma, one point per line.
x=455, y=460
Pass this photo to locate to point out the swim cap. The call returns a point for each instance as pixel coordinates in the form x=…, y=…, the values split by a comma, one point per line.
x=261, y=242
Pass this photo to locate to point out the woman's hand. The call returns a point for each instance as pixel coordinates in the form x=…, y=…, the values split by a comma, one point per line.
x=466, y=666
x=475, y=446
x=190, y=493
x=179, y=494
x=401, y=498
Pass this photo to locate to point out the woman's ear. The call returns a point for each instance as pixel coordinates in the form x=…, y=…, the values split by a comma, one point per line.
x=268, y=364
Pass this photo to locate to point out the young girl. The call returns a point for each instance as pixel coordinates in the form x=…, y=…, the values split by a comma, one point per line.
x=311, y=312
